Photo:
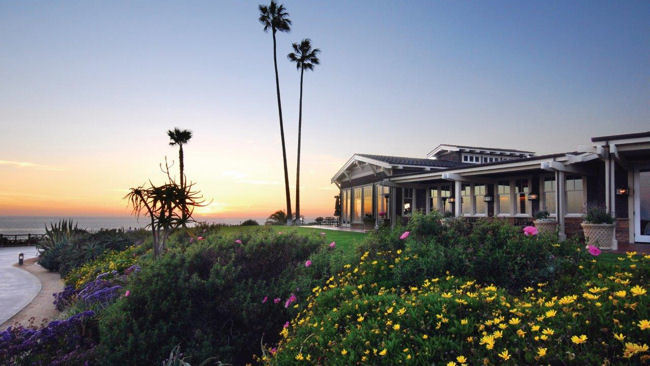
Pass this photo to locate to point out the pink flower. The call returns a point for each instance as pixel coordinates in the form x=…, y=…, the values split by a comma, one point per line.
x=276, y=300
x=265, y=298
x=322, y=234
x=290, y=300
x=274, y=350
x=279, y=232
x=238, y=241
x=127, y=293
x=308, y=263
x=595, y=251
x=333, y=245
x=200, y=238
x=191, y=240
x=530, y=231
x=405, y=235
x=286, y=325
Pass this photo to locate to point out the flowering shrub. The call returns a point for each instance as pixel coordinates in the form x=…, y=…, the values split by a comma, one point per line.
x=363, y=316
x=489, y=251
x=213, y=297
x=113, y=262
x=62, y=342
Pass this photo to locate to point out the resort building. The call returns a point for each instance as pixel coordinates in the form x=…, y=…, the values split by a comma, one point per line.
x=474, y=182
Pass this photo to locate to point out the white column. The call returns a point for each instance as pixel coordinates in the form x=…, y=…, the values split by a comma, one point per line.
x=561, y=203
x=472, y=198
x=607, y=184
x=375, y=191
x=393, y=206
x=457, y=199
x=612, y=187
x=495, y=200
x=514, y=199
x=630, y=205
x=439, y=201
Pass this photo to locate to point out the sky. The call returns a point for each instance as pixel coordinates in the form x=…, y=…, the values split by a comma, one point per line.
x=88, y=90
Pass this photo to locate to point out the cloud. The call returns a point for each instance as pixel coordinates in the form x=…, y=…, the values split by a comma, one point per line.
x=26, y=164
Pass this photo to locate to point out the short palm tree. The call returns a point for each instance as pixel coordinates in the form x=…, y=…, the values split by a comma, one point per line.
x=277, y=218
x=276, y=18
x=180, y=137
x=305, y=58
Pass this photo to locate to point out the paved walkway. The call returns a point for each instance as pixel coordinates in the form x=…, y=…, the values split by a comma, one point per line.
x=17, y=287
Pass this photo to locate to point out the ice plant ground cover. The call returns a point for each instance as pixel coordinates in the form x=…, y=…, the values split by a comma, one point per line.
x=362, y=316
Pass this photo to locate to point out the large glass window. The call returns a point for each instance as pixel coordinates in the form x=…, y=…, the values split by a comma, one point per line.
x=504, y=198
x=407, y=202
x=445, y=194
x=466, y=197
x=382, y=201
x=521, y=193
x=549, y=195
x=435, y=200
x=574, y=195
x=479, y=197
x=367, y=201
x=356, y=210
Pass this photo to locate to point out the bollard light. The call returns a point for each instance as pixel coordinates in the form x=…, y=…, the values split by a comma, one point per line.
x=21, y=256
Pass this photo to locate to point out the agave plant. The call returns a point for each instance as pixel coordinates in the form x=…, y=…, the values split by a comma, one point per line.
x=59, y=233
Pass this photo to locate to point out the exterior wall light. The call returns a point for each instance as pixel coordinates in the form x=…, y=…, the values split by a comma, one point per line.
x=487, y=199
x=451, y=199
x=622, y=191
x=533, y=196
x=21, y=257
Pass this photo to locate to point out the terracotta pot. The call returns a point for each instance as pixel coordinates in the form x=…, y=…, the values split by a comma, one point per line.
x=546, y=226
x=600, y=235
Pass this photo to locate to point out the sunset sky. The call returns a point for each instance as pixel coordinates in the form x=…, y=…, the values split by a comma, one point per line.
x=89, y=88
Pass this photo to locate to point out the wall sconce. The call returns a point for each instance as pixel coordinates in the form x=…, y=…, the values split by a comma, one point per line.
x=451, y=200
x=21, y=257
x=487, y=199
x=622, y=191
x=533, y=196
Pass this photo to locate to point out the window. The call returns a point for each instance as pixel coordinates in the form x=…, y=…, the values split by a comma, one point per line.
x=407, y=201
x=466, y=199
x=549, y=195
x=356, y=210
x=435, y=199
x=479, y=198
x=521, y=192
x=465, y=157
x=504, y=198
x=445, y=194
x=382, y=201
x=367, y=201
x=574, y=195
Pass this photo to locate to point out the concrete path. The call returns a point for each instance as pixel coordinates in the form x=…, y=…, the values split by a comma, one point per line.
x=17, y=287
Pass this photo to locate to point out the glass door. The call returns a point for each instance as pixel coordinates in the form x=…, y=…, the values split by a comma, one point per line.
x=642, y=206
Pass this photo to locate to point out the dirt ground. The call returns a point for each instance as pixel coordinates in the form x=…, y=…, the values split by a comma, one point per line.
x=41, y=309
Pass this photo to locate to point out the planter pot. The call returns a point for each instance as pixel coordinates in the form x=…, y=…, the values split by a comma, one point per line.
x=600, y=235
x=546, y=226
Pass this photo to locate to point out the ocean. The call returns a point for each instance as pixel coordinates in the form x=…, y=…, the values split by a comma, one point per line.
x=17, y=225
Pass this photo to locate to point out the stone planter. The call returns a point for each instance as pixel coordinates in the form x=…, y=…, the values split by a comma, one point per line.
x=600, y=235
x=547, y=226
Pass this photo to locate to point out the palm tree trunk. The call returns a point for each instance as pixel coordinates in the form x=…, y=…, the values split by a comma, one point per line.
x=284, y=149
x=181, y=164
x=302, y=71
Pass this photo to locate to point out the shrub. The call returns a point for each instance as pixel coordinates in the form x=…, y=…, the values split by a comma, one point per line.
x=490, y=251
x=215, y=298
x=542, y=215
x=113, y=263
x=250, y=222
x=62, y=342
x=360, y=317
x=72, y=252
x=598, y=215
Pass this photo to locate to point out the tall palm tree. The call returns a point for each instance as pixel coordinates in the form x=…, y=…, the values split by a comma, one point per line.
x=276, y=18
x=180, y=137
x=305, y=58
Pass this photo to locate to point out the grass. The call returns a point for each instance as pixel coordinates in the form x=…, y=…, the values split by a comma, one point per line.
x=345, y=240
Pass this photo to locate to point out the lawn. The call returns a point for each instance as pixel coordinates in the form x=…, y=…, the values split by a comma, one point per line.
x=346, y=240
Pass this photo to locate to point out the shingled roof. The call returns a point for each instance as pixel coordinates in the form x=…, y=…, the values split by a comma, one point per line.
x=401, y=160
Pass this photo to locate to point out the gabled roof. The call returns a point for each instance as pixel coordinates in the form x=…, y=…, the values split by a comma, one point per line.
x=493, y=150
x=399, y=162
x=404, y=161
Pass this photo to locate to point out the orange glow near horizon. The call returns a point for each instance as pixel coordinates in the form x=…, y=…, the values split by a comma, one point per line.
x=252, y=187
